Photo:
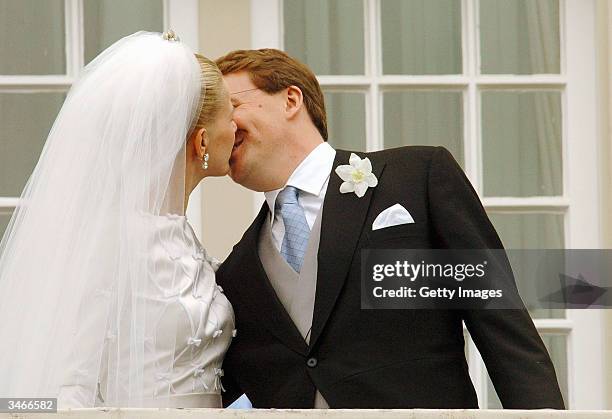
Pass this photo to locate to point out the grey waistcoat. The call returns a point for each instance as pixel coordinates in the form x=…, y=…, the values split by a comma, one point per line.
x=295, y=291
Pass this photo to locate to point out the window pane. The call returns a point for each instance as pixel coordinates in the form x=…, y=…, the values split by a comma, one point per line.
x=346, y=120
x=557, y=348
x=5, y=217
x=421, y=36
x=521, y=143
x=424, y=118
x=519, y=36
x=107, y=21
x=530, y=231
x=328, y=35
x=26, y=119
x=33, y=37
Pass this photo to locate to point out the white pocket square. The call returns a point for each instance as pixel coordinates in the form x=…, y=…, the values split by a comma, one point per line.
x=392, y=216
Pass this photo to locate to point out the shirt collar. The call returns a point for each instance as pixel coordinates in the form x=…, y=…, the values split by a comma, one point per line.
x=310, y=176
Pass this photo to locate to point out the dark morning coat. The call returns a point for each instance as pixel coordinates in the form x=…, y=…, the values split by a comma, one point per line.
x=381, y=358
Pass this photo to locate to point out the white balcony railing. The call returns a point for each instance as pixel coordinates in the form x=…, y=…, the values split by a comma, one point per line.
x=309, y=414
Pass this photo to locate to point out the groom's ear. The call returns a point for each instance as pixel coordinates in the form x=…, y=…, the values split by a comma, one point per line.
x=295, y=101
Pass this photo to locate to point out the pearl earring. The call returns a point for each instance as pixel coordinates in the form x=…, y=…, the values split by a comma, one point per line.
x=205, y=161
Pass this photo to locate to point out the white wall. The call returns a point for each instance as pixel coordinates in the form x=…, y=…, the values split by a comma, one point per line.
x=604, y=53
x=227, y=208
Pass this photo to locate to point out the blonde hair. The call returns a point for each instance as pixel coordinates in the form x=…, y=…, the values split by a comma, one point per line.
x=212, y=94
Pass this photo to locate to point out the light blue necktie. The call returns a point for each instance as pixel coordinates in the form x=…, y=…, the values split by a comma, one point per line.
x=296, y=227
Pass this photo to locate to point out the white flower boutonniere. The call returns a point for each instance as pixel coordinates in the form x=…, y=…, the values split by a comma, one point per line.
x=357, y=176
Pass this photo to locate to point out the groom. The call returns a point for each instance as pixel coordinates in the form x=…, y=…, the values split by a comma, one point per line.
x=294, y=278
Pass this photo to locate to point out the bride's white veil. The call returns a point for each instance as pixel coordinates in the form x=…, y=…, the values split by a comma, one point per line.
x=76, y=313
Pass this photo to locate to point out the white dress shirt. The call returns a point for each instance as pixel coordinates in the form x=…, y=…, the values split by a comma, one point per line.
x=310, y=178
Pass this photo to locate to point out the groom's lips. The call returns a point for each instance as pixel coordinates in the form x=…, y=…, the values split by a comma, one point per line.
x=239, y=138
x=238, y=141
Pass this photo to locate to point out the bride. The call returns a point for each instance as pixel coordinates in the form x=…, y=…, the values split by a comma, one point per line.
x=106, y=296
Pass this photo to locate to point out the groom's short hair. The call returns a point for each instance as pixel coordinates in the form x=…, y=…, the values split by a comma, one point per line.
x=272, y=70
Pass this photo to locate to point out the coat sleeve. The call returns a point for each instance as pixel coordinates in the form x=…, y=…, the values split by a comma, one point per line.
x=231, y=390
x=514, y=354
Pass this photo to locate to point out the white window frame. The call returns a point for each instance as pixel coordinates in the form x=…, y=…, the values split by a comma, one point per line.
x=580, y=200
x=180, y=15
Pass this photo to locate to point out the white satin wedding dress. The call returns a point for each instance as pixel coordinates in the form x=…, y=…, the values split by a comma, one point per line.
x=106, y=297
x=199, y=314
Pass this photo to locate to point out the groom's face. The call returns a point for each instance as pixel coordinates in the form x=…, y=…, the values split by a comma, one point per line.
x=258, y=116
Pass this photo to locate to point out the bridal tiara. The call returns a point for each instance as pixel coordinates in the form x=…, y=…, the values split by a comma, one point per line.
x=169, y=35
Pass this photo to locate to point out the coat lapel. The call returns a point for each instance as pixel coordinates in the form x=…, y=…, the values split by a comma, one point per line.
x=341, y=226
x=260, y=295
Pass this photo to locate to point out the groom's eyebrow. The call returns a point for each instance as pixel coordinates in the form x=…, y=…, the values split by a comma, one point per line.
x=243, y=91
x=233, y=98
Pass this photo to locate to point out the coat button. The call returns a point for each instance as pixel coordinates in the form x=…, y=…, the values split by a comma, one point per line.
x=312, y=362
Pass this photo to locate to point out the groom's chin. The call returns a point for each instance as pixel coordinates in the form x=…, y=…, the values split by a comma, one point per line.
x=241, y=177
x=235, y=173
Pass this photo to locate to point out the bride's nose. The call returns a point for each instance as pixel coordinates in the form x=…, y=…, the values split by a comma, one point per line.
x=234, y=126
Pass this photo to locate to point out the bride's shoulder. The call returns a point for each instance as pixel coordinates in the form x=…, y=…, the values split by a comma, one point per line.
x=169, y=233
x=176, y=237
